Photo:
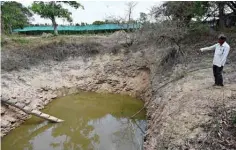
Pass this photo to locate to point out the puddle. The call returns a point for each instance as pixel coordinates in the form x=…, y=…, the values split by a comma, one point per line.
x=92, y=122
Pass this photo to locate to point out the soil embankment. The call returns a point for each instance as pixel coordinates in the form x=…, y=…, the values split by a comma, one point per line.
x=36, y=76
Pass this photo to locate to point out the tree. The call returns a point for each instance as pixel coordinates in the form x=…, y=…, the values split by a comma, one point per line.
x=98, y=22
x=143, y=17
x=221, y=7
x=127, y=19
x=14, y=15
x=181, y=11
x=53, y=9
x=130, y=9
x=114, y=20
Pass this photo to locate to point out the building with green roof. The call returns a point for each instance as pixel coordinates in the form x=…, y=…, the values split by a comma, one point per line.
x=77, y=29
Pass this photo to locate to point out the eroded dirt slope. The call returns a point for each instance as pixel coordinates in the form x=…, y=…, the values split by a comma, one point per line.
x=35, y=76
x=180, y=110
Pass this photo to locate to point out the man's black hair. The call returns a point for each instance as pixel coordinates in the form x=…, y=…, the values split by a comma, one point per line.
x=222, y=37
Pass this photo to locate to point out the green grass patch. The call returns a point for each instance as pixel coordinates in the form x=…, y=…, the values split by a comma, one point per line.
x=234, y=119
x=20, y=40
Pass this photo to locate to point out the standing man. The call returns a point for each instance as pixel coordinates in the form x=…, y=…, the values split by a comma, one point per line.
x=221, y=52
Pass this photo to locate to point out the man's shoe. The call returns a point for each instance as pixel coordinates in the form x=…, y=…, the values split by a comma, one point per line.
x=214, y=85
x=219, y=86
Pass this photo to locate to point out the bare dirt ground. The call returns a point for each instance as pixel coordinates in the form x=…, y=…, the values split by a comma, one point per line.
x=186, y=112
x=178, y=95
x=182, y=108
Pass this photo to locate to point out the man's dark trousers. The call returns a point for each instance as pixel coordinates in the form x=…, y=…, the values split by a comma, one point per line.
x=217, y=71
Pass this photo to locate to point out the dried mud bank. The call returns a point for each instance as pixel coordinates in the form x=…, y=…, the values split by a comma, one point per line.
x=37, y=86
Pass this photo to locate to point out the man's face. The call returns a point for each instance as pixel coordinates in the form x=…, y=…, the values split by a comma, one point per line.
x=221, y=41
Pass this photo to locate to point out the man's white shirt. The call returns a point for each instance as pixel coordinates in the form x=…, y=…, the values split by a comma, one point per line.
x=221, y=53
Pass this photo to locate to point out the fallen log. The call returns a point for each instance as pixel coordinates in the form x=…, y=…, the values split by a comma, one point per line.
x=30, y=111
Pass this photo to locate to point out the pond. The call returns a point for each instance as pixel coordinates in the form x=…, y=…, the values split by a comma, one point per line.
x=92, y=122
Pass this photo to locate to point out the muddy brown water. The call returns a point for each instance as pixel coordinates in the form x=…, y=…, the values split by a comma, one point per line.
x=92, y=122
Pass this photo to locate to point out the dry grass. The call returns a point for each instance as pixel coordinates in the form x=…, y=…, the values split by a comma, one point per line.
x=23, y=52
x=221, y=130
x=17, y=54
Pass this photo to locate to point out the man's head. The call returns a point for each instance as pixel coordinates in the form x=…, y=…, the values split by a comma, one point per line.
x=221, y=39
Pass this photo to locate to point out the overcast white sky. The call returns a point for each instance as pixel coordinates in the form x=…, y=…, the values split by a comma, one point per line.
x=98, y=10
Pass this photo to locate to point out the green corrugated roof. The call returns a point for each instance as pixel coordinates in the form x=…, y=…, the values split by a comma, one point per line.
x=78, y=28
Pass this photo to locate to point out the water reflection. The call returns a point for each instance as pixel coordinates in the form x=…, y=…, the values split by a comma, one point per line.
x=117, y=133
x=91, y=123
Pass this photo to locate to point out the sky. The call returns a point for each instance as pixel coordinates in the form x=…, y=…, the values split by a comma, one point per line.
x=97, y=10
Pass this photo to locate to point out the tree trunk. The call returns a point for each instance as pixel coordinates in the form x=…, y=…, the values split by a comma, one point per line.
x=129, y=18
x=54, y=25
x=10, y=29
x=2, y=26
x=55, y=29
x=221, y=6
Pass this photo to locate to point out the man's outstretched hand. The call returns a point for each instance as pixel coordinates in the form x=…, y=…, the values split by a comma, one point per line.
x=200, y=50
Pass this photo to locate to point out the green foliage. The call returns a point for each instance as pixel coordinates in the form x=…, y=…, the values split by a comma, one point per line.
x=182, y=11
x=83, y=24
x=14, y=15
x=3, y=41
x=20, y=40
x=234, y=119
x=52, y=9
x=143, y=17
x=199, y=9
x=198, y=28
x=98, y=22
